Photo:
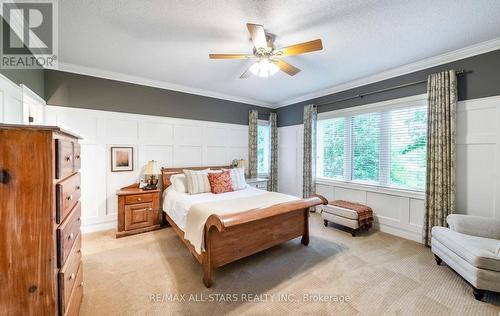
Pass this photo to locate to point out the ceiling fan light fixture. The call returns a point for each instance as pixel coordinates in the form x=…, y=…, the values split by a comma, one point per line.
x=264, y=68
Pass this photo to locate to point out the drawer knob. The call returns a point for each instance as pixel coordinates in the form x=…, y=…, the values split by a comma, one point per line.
x=69, y=197
x=77, y=187
x=4, y=176
x=150, y=209
x=70, y=236
x=81, y=283
x=139, y=199
x=72, y=276
x=68, y=158
x=77, y=157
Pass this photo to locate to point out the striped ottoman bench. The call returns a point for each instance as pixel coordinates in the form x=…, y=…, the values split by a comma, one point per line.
x=353, y=215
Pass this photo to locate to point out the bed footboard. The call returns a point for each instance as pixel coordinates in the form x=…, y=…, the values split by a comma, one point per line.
x=235, y=236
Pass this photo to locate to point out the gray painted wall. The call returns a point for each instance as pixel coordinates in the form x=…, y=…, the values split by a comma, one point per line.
x=81, y=91
x=482, y=81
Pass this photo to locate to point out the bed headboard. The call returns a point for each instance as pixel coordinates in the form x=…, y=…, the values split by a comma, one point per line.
x=166, y=173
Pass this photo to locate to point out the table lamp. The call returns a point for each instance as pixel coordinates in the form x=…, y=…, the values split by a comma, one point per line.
x=150, y=174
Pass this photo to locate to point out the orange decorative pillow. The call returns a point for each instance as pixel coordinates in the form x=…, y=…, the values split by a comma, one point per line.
x=220, y=182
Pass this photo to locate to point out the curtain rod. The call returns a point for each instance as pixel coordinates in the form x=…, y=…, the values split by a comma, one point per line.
x=458, y=72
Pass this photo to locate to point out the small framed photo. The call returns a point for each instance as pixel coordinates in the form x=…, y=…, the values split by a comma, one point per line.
x=122, y=159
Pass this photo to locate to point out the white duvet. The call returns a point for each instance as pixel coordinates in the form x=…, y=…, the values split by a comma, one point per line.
x=190, y=212
x=177, y=205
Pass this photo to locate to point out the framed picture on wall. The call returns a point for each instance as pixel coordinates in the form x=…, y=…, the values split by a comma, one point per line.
x=122, y=159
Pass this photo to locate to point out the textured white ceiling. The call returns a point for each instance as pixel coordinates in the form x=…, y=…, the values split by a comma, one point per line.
x=169, y=41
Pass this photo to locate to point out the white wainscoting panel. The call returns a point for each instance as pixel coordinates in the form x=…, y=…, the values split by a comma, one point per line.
x=478, y=157
x=290, y=151
x=171, y=142
x=478, y=173
x=11, y=102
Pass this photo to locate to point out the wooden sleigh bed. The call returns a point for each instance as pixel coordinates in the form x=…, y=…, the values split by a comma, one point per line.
x=230, y=237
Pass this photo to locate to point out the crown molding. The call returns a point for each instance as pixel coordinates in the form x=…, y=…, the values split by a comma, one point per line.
x=469, y=51
x=105, y=74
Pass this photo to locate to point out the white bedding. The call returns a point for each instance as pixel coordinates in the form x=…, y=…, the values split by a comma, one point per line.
x=177, y=205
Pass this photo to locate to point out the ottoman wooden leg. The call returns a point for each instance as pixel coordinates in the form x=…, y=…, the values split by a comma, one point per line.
x=353, y=232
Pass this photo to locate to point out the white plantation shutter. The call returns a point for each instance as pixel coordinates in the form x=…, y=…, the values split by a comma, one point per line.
x=384, y=147
x=331, y=148
x=408, y=146
x=365, y=146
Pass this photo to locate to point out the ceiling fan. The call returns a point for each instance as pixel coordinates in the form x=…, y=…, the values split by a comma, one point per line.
x=269, y=58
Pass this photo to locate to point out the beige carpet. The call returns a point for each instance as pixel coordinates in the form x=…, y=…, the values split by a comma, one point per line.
x=377, y=273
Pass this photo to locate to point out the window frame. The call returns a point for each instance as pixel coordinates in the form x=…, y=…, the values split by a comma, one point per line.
x=383, y=185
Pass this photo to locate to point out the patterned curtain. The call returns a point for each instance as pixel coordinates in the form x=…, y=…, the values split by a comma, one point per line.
x=309, y=171
x=253, y=117
x=441, y=129
x=272, y=184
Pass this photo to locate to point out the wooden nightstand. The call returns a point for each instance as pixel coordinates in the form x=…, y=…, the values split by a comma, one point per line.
x=138, y=210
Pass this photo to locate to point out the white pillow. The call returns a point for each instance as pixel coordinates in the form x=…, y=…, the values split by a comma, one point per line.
x=179, y=183
x=238, y=178
x=197, y=181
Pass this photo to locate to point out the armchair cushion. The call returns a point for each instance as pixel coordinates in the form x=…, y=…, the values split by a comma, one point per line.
x=474, y=225
x=478, y=251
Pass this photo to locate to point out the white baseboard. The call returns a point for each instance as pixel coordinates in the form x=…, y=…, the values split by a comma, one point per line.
x=403, y=233
x=86, y=229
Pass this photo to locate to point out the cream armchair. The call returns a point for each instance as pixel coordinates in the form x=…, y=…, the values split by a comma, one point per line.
x=471, y=247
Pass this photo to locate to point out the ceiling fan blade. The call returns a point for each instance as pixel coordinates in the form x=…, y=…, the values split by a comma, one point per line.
x=230, y=56
x=258, y=35
x=246, y=74
x=302, y=48
x=286, y=67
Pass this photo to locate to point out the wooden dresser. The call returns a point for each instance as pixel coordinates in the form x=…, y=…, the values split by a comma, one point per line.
x=40, y=240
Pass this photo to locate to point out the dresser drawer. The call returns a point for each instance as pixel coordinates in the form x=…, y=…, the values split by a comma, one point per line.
x=72, y=307
x=68, y=193
x=139, y=215
x=64, y=158
x=67, y=233
x=140, y=198
x=77, y=154
x=68, y=274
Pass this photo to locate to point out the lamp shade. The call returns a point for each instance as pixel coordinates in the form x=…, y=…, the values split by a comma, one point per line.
x=242, y=164
x=152, y=168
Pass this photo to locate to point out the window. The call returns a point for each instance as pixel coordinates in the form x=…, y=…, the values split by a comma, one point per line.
x=263, y=147
x=331, y=134
x=384, y=146
x=365, y=147
x=408, y=147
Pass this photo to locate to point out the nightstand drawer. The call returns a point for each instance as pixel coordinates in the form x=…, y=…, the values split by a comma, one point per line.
x=139, y=215
x=139, y=198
